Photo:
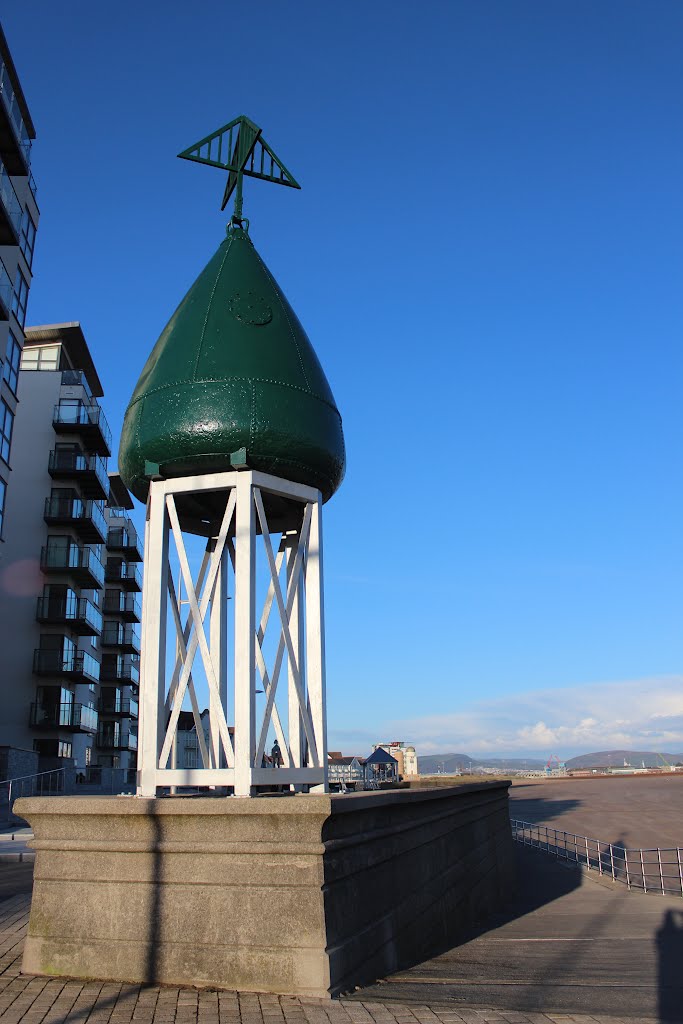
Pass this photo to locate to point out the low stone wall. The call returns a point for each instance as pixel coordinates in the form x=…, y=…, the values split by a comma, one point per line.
x=305, y=894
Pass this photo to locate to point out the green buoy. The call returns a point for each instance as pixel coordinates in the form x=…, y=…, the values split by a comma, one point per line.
x=233, y=379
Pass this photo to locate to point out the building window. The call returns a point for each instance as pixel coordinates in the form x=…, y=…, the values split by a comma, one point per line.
x=88, y=756
x=6, y=424
x=41, y=357
x=11, y=371
x=28, y=237
x=64, y=749
x=20, y=298
x=3, y=492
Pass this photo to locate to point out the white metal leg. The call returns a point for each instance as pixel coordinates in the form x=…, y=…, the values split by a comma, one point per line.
x=245, y=656
x=153, y=662
x=315, y=637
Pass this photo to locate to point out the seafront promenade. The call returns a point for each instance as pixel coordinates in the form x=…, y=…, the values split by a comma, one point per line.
x=568, y=949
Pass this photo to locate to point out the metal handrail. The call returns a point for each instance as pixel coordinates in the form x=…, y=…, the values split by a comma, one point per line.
x=642, y=869
x=57, y=773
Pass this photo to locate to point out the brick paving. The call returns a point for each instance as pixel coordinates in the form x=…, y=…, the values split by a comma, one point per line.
x=26, y=999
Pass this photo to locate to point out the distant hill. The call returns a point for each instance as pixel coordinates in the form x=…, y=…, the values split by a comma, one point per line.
x=430, y=764
x=616, y=758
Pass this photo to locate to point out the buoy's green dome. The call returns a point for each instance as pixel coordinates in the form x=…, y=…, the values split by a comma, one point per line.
x=233, y=369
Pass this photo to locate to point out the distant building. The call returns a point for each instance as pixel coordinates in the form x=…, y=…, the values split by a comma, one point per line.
x=405, y=756
x=345, y=772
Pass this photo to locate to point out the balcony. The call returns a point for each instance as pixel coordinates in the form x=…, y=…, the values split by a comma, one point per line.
x=15, y=142
x=115, y=634
x=10, y=210
x=89, y=471
x=110, y=737
x=127, y=576
x=79, y=614
x=119, y=707
x=85, y=420
x=85, y=517
x=76, y=379
x=117, y=669
x=125, y=605
x=68, y=717
x=64, y=661
x=80, y=563
x=123, y=540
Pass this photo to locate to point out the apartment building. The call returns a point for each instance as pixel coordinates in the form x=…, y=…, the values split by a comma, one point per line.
x=18, y=224
x=69, y=579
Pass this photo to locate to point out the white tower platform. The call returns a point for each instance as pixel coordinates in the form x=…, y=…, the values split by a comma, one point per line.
x=252, y=507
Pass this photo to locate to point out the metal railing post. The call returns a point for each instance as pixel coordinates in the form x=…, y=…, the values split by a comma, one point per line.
x=680, y=868
x=642, y=869
x=661, y=873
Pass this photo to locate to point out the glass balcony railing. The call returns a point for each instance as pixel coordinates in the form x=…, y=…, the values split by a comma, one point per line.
x=32, y=185
x=85, y=418
x=72, y=717
x=129, y=576
x=117, y=635
x=120, y=669
x=124, y=540
x=66, y=463
x=9, y=199
x=64, y=661
x=76, y=378
x=79, y=561
x=11, y=104
x=78, y=512
x=72, y=610
x=116, y=602
x=110, y=736
x=125, y=706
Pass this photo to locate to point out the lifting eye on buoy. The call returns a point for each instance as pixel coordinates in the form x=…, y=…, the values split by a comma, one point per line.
x=239, y=148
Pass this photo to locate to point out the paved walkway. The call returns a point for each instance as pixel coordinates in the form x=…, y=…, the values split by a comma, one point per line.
x=559, y=946
x=570, y=943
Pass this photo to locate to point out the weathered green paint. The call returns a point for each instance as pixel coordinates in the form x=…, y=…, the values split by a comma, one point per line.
x=233, y=369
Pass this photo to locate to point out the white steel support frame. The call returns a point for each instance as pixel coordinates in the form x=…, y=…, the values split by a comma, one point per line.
x=294, y=601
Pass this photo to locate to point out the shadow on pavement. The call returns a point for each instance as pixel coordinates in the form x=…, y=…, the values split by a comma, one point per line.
x=15, y=878
x=541, y=881
x=670, y=966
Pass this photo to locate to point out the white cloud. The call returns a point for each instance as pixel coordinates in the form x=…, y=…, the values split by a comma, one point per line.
x=643, y=714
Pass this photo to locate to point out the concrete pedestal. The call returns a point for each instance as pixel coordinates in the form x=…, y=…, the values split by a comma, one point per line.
x=305, y=894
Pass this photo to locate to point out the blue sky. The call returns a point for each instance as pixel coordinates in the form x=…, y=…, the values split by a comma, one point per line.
x=486, y=253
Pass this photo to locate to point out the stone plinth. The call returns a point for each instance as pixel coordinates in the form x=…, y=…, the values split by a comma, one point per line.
x=304, y=894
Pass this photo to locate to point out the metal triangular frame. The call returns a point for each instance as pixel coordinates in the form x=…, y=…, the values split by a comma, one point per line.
x=239, y=147
x=294, y=591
